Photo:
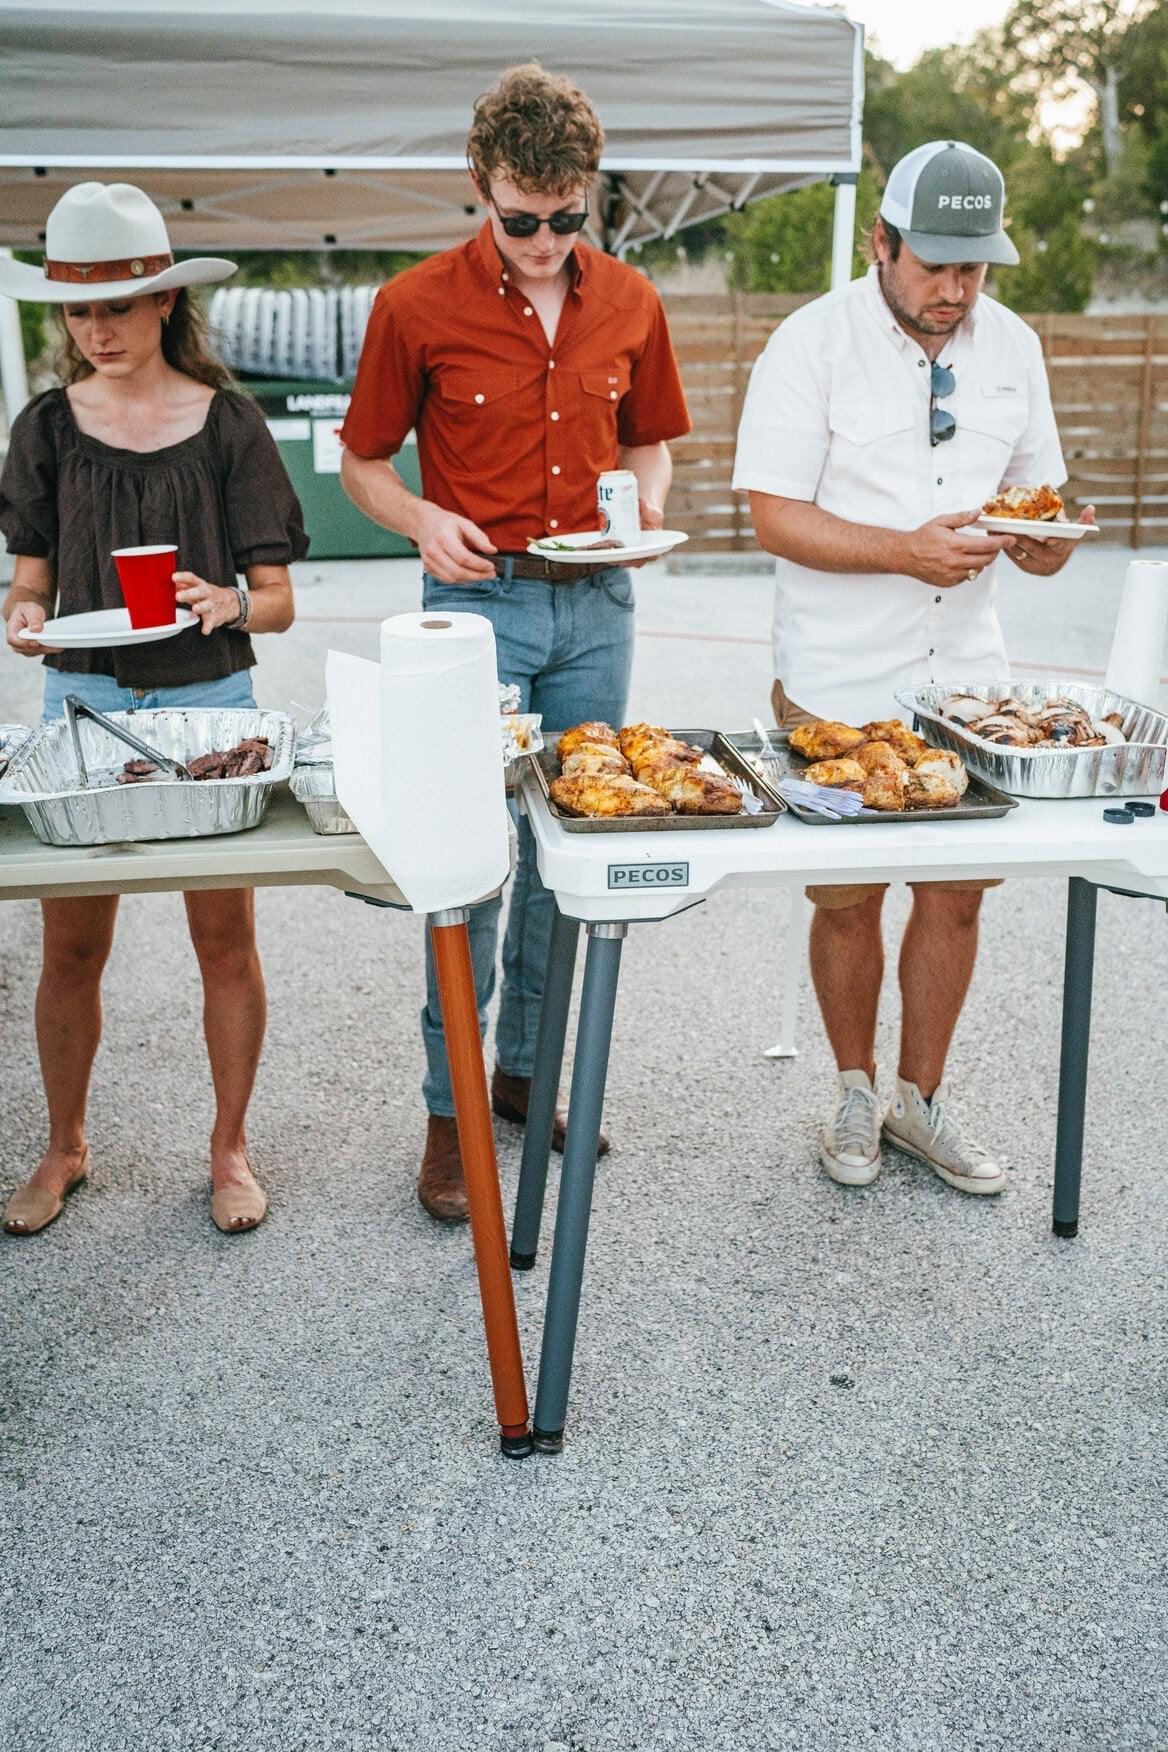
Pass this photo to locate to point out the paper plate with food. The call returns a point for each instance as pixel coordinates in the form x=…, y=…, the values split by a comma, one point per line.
x=588, y=547
x=1034, y=511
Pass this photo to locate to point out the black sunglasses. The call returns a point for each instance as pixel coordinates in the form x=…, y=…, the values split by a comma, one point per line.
x=942, y=424
x=562, y=223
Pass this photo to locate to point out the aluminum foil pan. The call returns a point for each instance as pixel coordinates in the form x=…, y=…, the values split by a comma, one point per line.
x=43, y=779
x=11, y=737
x=1135, y=768
x=315, y=787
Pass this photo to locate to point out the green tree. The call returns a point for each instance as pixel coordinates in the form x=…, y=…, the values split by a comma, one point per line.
x=1054, y=273
x=1056, y=43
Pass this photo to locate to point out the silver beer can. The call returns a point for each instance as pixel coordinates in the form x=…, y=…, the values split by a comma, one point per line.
x=618, y=498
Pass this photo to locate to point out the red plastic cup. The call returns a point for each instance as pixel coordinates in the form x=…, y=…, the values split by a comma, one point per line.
x=146, y=575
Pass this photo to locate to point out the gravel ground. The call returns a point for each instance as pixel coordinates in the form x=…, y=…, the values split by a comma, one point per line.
x=844, y=1469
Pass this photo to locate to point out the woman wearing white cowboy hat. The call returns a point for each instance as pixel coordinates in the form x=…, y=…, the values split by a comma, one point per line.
x=145, y=443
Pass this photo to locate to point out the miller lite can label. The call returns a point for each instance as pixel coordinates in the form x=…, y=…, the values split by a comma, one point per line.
x=620, y=512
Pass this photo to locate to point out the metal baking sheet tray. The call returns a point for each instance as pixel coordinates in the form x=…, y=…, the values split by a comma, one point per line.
x=1137, y=768
x=43, y=778
x=546, y=767
x=982, y=801
x=11, y=737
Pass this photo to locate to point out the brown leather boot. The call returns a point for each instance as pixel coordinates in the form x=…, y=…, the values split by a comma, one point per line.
x=509, y=1098
x=441, y=1186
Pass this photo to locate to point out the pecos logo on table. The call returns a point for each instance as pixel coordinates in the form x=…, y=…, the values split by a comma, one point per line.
x=628, y=876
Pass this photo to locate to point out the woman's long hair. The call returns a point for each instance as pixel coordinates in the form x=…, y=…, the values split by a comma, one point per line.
x=185, y=344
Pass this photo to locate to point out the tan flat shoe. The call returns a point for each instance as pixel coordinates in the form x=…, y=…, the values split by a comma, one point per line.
x=32, y=1208
x=235, y=1208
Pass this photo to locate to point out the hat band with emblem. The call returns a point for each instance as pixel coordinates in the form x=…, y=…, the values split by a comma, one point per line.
x=132, y=268
x=111, y=239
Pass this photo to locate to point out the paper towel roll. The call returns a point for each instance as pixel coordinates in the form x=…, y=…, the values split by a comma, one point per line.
x=1137, y=648
x=418, y=756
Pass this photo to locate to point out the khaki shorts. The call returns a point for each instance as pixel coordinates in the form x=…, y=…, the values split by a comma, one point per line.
x=837, y=896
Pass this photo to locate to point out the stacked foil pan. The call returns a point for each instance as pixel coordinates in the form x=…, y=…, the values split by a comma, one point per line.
x=43, y=779
x=11, y=737
x=1137, y=767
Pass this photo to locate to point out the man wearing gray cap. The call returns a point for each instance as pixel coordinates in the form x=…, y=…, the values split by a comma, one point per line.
x=878, y=421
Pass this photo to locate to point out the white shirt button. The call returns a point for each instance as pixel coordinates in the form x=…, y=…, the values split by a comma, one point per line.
x=552, y=524
x=612, y=395
x=527, y=310
x=506, y=276
x=551, y=364
x=555, y=416
x=502, y=291
x=480, y=398
x=555, y=468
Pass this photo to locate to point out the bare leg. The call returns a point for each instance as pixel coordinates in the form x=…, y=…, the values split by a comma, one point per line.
x=77, y=939
x=222, y=926
x=936, y=966
x=847, y=967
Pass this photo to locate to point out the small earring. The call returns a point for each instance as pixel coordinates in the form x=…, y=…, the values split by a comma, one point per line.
x=166, y=319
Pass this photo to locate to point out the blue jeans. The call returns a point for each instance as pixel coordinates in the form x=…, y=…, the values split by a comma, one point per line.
x=104, y=695
x=569, y=649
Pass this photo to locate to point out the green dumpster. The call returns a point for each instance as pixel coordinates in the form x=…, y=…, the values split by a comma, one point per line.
x=305, y=420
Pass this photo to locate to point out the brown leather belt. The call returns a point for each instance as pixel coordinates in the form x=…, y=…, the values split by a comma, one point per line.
x=551, y=571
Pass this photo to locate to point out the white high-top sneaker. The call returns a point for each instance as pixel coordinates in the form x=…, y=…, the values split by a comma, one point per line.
x=849, y=1148
x=928, y=1131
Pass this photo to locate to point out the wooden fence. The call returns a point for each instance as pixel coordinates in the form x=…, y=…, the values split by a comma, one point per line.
x=1109, y=383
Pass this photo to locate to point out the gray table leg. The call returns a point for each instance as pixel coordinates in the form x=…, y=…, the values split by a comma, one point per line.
x=1078, y=973
x=545, y=1087
x=585, y=1107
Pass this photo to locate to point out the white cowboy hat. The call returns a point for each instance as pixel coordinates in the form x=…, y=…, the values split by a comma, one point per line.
x=103, y=241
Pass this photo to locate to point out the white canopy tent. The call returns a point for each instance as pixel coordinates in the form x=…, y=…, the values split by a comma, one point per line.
x=319, y=124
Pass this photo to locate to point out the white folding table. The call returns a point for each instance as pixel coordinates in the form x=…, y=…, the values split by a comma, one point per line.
x=607, y=881
x=284, y=851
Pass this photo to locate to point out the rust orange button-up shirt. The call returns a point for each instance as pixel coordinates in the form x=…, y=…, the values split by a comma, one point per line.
x=512, y=432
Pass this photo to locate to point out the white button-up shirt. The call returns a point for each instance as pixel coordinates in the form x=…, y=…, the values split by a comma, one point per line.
x=837, y=413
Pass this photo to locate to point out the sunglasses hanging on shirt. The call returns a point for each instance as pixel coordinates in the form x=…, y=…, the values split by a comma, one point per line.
x=942, y=424
x=563, y=223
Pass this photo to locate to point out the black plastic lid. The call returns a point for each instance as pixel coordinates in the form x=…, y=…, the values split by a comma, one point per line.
x=1141, y=808
x=1121, y=817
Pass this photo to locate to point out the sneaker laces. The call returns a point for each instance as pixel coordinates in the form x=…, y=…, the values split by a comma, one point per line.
x=945, y=1131
x=853, y=1122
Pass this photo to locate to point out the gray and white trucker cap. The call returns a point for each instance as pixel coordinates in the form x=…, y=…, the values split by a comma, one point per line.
x=946, y=200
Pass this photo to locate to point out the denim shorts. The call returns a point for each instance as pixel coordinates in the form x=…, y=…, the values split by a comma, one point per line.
x=103, y=693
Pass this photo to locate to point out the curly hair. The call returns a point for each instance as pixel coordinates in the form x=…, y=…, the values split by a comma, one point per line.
x=538, y=130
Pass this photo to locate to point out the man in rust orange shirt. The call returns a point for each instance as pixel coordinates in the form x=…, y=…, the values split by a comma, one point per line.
x=528, y=364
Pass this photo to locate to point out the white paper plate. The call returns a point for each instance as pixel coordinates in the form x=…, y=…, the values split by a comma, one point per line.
x=1040, y=531
x=652, y=543
x=103, y=629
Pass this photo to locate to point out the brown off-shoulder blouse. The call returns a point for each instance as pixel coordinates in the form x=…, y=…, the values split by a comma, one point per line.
x=223, y=497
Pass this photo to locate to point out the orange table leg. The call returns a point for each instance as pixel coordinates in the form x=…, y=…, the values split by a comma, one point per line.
x=460, y=1021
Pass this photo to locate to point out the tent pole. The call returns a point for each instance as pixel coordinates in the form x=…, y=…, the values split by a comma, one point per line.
x=13, y=375
x=843, y=228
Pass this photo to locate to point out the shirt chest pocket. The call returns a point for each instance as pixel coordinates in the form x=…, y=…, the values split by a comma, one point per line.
x=597, y=413
x=994, y=419
x=480, y=396
x=861, y=421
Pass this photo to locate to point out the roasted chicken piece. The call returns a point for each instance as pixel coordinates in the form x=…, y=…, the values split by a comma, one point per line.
x=849, y=775
x=648, y=741
x=885, y=786
x=905, y=741
x=605, y=794
x=872, y=755
x=690, y=792
x=593, y=731
x=942, y=763
x=594, y=757
x=930, y=790
x=826, y=739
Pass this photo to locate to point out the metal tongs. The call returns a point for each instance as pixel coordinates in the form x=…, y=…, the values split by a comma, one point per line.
x=75, y=708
